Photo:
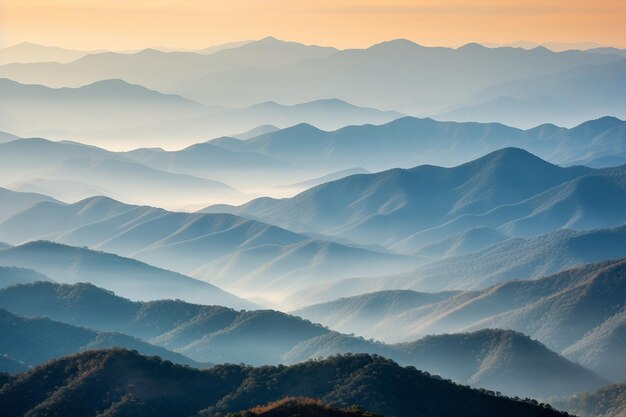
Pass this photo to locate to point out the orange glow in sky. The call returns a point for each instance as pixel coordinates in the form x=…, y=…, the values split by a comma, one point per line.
x=127, y=24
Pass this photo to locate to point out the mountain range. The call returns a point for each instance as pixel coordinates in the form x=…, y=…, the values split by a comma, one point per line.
x=106, y=378
x=287, y=72
x=63, y=169
x=218, y=334
x=507, y=193
x=409, y=141
x=198, y=174
x=33, y=341
x=116, y=114
x=566, y=98
x=578, y=312
x=232, y=252
x=126, y=276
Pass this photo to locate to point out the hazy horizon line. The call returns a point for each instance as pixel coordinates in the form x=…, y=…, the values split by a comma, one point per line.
x=555, y=46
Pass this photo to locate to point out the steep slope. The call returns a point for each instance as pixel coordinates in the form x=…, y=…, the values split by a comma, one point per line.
x=603, y=348
x=360, y=313
x=33, y=341
x=126, y=276
x=516, y=259
x=218, y=247
x=169, y=390
x=578, y=312
x=609, y=401
x=390, y=206
x=467, y=241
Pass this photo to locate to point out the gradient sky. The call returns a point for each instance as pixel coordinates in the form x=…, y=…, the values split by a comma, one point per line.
x=128, y=24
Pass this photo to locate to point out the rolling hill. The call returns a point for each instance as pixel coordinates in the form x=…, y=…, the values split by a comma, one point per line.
x=116, y=114
x=35, y=159
x=238, y=254
x=218, y=334
x=12, y=276
x=14, y=202
x=502, y=360
x=375, y=383
x=126, y=276
x=33, y=341
x=577, y=312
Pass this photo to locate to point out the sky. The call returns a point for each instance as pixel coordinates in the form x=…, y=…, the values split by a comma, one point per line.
x=132, y=24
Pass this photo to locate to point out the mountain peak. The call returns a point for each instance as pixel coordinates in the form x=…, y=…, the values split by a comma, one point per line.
x=593, y=128
x=396, y=44
x=472, y=46
x=270, y=39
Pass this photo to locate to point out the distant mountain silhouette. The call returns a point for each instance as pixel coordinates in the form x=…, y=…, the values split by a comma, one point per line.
x=33, y=341
x=257, y=131
x=287, y=72
x=27, y=52
x=159, y=69
x=438, y=76
x=211, y=161
x=55, y=162
x=37, y=110
x=126, y=276
x=115, y=113
x=99, y=381
x=410, y=141
x=566, y=98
